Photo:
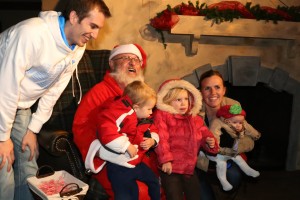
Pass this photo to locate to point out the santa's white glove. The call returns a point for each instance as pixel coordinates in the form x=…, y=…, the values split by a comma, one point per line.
x=119, y=159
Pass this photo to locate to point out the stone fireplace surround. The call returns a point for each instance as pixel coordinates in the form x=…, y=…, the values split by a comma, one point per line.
x=247, y=71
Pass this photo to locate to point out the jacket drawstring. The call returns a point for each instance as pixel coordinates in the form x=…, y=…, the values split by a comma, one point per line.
x=80, y=91
x=73, y=84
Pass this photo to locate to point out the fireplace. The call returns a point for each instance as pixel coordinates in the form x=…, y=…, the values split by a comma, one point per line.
x=244, y=75
x=269, y=111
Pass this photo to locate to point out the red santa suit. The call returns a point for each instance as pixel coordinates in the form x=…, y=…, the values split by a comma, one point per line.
x=118, y=127
x=84, y=125
x=85, y=133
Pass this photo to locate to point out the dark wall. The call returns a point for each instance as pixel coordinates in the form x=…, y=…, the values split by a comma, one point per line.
x=14, y=11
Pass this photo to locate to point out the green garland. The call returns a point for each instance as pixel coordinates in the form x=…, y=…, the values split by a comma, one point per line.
x=230, y=15
x=219, y=15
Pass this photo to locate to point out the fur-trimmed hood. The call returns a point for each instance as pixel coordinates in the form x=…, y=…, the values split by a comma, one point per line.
x=196, y=101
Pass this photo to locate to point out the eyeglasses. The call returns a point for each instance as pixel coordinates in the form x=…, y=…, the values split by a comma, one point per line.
x=128, y=59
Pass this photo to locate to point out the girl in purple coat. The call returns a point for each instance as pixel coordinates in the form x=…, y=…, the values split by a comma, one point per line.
x=182, y=134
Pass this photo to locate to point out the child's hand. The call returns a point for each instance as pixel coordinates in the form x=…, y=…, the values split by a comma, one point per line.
x=132, y=150
x=147, y=143
x=167, y=167
x=210, y=142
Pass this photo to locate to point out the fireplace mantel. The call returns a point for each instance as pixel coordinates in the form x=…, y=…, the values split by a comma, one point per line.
x=197, y=26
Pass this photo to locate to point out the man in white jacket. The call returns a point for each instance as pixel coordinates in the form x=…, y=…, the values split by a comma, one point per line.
x=37, y=59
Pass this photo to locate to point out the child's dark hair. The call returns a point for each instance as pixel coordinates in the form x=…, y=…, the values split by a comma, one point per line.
x=82, y=8
x=208, y=74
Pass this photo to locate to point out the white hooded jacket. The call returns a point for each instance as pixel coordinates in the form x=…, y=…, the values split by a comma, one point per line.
x=35, y=63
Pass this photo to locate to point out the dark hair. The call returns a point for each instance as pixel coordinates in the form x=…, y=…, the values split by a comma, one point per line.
x=81, y=7
x=208, y=74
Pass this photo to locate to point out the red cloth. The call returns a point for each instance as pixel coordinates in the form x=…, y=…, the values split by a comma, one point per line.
x=167, y=20
x=232, y=5
x=187, y=9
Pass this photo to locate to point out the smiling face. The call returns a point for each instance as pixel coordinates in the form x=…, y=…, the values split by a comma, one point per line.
x=80, y=32
x=213, y=91
x=181, y=102
x=126, y=68
x=128, y=63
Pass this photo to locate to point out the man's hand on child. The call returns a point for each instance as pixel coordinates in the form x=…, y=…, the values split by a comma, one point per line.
x=147, y=143
x=210, y=142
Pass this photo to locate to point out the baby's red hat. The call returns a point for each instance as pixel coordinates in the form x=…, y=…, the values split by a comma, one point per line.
x=229, y=111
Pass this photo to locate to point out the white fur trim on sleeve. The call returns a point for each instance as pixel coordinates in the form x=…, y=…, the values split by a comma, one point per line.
x=119, y=159
x=89, y=160
x=119, y=144
x=155, y=137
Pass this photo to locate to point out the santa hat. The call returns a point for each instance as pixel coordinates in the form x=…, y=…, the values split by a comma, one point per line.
x=229, y=111
x=130, y=48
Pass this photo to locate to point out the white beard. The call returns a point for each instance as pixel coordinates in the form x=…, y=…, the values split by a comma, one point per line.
x=123, y=80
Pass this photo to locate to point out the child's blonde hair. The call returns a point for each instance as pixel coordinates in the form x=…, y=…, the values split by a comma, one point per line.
x=139, y=92
x=173, y=94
